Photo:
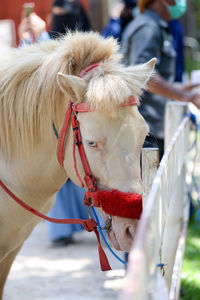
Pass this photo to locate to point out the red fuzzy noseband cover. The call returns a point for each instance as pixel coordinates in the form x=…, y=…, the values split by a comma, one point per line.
x=116, y=203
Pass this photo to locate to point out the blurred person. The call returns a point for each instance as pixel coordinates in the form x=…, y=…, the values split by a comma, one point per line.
x=121, y=15
x=68, y=15
x=148, y=36
x=177, y=32
x=69, y=204
x=69, y=199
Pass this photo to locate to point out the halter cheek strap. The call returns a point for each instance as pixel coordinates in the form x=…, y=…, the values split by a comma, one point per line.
x=70, y=117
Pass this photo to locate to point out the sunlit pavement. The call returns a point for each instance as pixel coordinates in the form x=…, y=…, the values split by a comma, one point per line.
x=41, y=272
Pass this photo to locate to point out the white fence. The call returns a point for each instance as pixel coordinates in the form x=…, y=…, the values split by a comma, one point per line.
x=160, y=237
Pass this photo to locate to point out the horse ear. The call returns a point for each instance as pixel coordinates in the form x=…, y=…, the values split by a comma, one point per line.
x=72, y=86
x=149, y=67
x=143, y=72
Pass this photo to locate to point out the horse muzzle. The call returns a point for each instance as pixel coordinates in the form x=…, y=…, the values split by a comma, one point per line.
x=116, y=203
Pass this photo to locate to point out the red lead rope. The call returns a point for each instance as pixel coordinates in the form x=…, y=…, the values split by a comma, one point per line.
x=89, y=225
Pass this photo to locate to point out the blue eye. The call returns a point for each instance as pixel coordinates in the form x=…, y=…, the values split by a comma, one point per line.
x=92, y=144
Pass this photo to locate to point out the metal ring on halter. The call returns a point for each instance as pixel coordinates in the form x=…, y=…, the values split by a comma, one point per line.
x=89, y=209
x=108, y=224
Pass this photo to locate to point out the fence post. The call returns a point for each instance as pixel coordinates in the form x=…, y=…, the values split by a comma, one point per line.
x=161, y=230
x=150, y=162
x=173, y=116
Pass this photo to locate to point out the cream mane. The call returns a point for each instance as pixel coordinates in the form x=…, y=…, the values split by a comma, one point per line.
x=29, y=93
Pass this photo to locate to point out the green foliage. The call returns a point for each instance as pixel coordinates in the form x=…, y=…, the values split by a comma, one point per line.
x=191, y=265
x=196, y=6
x=196, y=2
x=191, y=64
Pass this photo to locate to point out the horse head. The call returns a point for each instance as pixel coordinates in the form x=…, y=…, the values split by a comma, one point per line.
x=112, y=134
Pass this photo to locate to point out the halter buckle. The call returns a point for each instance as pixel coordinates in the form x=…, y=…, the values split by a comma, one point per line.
x=108, y=225
x=90, y=182
x=89, y=209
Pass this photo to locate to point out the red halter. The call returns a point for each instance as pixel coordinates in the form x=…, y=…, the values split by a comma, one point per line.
x=115, y=203
x=112, y=202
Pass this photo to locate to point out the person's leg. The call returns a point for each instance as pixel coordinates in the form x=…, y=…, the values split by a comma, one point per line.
x=69, y=204
x=60, y=234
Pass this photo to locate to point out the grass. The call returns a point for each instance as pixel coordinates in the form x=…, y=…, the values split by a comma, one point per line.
x=190, y=278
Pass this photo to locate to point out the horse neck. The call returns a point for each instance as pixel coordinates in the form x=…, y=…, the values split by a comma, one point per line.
x=41, y=171
x=37, y=170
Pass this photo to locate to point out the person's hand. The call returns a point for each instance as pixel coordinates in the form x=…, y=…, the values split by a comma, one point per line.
x=37, y=25
x=117, y=10
x=192, y=97
x=31, y=26
x=196, y=99
x=24, y=29
x=191, y=86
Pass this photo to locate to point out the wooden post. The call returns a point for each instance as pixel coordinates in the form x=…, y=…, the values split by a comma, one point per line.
x=150, y=162
x=173, y=116
x=160, y=226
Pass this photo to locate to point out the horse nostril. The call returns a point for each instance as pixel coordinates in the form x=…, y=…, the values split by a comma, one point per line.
x=129, y=233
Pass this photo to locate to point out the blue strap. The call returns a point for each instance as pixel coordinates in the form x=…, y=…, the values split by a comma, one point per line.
x=55, y=131
x=102, y=235
x=160, y=265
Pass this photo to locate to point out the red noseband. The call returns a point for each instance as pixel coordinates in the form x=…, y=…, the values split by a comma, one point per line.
x=116, y=203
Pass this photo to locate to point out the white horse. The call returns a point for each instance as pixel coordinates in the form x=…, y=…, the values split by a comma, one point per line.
x=36, y=84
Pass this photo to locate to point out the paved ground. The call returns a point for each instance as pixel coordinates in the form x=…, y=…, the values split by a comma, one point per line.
x=41, y=272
